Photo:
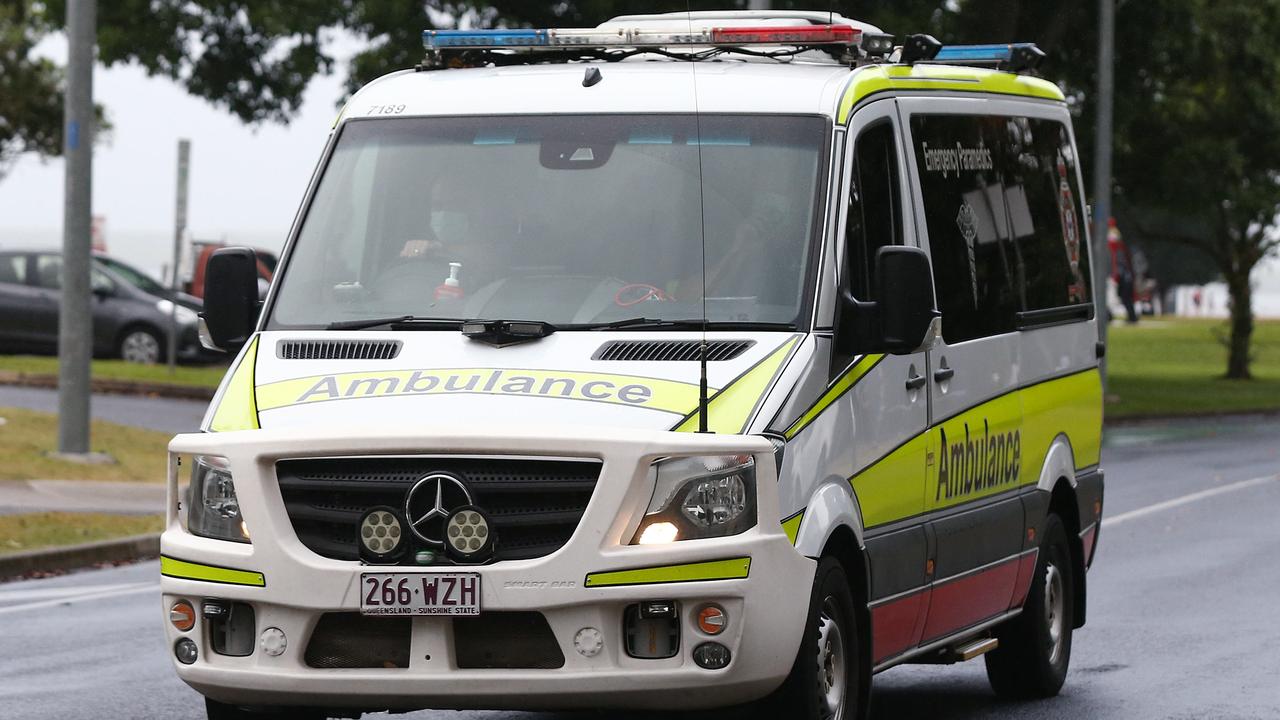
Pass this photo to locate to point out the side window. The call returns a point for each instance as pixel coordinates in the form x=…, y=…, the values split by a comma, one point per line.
x=99, y=282
x=959, y=158
x=13, y=269
x=1046, y=215
x=49, y=271
x=875, y=208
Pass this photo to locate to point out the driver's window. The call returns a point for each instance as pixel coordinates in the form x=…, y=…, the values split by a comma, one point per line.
x=874, y=217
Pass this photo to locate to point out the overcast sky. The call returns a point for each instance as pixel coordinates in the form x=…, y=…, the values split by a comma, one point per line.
x=246, y=182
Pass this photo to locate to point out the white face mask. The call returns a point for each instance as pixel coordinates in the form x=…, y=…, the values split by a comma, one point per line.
x=450, y=226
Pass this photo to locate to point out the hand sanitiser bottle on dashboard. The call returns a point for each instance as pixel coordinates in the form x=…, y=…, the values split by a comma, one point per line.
x=451, y=288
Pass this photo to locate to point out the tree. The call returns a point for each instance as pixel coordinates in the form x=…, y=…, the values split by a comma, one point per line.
x=31, y=112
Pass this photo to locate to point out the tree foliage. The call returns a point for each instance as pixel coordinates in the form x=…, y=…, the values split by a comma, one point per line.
x=31, y=108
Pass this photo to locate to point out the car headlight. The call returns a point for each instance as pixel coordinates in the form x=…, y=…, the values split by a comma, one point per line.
x=212, y=508
x=184, y=315
x=698, y=497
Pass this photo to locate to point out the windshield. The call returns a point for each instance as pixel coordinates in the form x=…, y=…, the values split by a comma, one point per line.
x=134, y=276
x=566, y=220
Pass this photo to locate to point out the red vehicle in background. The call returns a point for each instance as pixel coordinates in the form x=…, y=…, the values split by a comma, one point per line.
x=202, y=250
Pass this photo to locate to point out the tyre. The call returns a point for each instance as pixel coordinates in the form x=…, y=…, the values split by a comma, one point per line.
x=140, y=345
x=826, y=677
x=221, y=711
x=1035, y=647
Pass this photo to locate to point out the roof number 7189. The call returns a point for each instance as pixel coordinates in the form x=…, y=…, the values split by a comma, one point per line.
x=385, y=110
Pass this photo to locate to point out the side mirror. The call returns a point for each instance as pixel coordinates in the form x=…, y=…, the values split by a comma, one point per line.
x=902, y=319
x=905, y=296
x=230, y=298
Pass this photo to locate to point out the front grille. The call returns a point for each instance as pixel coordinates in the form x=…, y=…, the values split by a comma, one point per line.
x=534, y=505
x=352, y=640
x=506, y=640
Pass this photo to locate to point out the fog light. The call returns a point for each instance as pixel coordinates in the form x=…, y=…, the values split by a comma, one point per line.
x=659, y=533
x=185, y=650
x=711, y=656
x=182, y=615
x=273, y=642
x=588, y=642
x=712, y=619
x=468, y=534
x=381, y=535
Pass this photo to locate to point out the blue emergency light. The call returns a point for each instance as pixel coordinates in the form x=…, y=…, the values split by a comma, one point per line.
x=978, y=53
x=1009, y=56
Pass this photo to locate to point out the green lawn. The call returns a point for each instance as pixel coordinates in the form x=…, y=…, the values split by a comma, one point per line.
x=32, y=531
x=207, y=376
x=27, y=437
x=1175, y=367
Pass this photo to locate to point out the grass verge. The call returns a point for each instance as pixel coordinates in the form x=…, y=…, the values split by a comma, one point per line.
x=203, y=376
x=33, y=531
x=28, y=437
x=1166, y=367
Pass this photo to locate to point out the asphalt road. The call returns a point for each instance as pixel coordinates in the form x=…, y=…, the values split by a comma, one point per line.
x=1182, y=614
x=164, y=414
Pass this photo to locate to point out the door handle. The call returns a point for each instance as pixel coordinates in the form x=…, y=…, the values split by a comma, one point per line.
x=943, y=374
x=915, y=381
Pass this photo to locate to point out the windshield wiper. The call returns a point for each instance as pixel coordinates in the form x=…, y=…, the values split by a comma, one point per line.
x=641, y=323
x=399, y=322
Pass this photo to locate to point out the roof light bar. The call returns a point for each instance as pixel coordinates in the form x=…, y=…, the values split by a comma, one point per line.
x=638, y=38
x=795, y=35
x=978, y=53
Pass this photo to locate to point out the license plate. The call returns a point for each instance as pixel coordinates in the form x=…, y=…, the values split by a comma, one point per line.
x=420, y=593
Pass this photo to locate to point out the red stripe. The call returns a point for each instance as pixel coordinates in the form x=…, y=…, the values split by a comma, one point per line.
x=957, y=604
x=1089, y=540
x=894, y=625
x=1026, y=570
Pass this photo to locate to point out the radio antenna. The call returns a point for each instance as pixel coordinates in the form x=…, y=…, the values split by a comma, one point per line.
x=702, y=238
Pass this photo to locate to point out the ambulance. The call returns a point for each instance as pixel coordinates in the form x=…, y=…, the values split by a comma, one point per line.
x=700, y=360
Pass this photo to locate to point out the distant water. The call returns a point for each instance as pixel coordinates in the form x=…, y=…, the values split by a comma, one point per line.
x=148, y=250
x=152, y=252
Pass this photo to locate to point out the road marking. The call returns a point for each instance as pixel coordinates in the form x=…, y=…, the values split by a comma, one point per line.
x=1187, y=500
x=57, y=592
x=93, y=595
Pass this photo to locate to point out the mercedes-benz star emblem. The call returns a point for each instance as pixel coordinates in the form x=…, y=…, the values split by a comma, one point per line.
x=430, y=502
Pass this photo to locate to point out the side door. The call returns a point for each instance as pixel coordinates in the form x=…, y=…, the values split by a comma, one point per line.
x=887, y=402
x=47, y=278
x=18, y=299
x=976, y=518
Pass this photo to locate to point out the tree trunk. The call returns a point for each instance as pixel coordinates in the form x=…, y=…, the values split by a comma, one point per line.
x=1241, y=323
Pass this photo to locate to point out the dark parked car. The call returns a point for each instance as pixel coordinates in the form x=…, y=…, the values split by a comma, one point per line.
x=130, y=310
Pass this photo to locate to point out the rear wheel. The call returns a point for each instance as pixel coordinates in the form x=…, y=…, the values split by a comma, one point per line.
x=825, y=677
x=1035, y=647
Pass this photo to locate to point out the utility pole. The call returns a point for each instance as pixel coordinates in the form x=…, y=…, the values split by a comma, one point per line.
x=179, y=229
x=75, y=316
x=1102, y=167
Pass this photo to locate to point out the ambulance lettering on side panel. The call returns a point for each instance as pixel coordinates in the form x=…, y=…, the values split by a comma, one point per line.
x=603, y=365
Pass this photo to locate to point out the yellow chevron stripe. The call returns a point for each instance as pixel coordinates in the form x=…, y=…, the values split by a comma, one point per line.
x=174, y=568
x=734, y=569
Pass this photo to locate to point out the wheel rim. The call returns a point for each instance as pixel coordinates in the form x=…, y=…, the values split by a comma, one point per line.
x=140, y=347
x=832, y=654
x=1054, y=611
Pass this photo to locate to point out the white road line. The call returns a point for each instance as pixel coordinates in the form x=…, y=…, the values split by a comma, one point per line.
x=141, y=588
x=1186, y=500
x=57, y=592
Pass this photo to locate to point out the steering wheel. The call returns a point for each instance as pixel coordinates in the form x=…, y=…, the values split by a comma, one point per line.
x=650, y=293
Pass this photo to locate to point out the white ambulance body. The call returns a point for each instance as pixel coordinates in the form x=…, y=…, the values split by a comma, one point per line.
x=457, y=461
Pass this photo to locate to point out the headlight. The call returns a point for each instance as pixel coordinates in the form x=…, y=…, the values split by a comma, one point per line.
x=185, y=315
x=699, y=497
x=212, y=508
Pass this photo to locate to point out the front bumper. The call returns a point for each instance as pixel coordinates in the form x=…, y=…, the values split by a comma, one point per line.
x=766, y=609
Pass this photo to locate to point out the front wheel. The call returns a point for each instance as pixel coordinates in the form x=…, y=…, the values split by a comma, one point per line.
x=1035, y=647
x=825, y=680
x=140, y=345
